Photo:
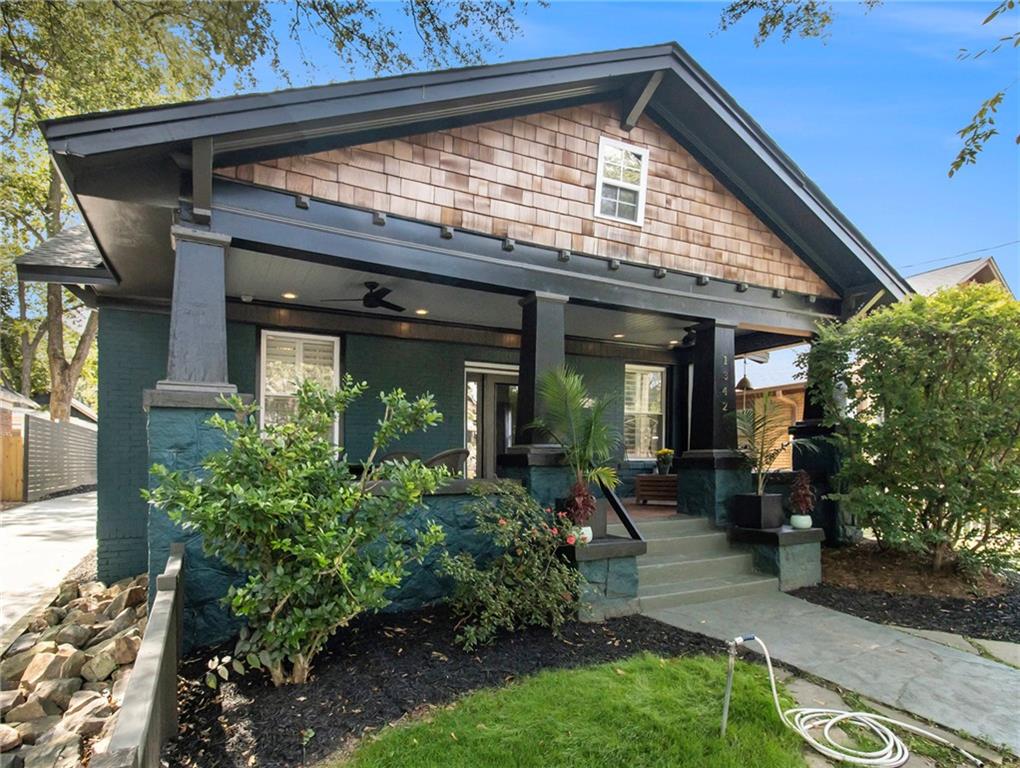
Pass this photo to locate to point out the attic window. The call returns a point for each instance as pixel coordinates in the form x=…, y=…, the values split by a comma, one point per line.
x=620, y=183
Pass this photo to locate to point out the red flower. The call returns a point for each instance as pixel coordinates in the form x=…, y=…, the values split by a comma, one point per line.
x=555, y=532
x=562, y=515
x=571, y=539
x=502, y=521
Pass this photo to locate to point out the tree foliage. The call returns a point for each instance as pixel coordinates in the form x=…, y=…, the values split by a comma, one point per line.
x=929, y=426
x=529, y=583
x=80, y=56
x=814, y=18
x=316, y=545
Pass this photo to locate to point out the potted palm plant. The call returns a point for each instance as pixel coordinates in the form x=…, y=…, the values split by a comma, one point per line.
x=759, y=435
x=579, y=422
x=802, y=500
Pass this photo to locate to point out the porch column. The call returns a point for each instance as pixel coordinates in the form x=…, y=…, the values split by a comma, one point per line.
x=197, y=360
x=542, y=350
x=178, y=412
x=711, y=471
x=539, y=466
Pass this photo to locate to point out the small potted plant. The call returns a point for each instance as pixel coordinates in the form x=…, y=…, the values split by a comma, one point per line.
x=663, y=460
x=802, y=500
x=757, y=431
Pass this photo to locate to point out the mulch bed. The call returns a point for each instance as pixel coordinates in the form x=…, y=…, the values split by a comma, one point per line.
x=891, y=587
x=376, y=672
x=987, y=618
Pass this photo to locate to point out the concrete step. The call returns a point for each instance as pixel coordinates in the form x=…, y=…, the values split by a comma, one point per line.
x=692, y=544
x=663, y=596
x=665, y=569
x=670, y=526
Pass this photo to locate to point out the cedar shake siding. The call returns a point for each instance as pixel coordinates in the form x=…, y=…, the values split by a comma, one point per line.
x=533, y=179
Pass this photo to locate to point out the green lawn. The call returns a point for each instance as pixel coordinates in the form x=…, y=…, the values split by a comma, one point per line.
x=645, y=711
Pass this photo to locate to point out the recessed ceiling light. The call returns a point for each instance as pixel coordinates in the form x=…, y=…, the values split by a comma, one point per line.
x=421, y=312
x=617, y=335
x=289, y=295
x=674, y=341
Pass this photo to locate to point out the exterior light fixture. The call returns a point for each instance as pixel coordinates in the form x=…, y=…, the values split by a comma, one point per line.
x=617, y=335
x=422, y=312
x=674, y=342
x=289, y=295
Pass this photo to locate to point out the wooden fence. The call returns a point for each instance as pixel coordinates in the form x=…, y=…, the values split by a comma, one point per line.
x=148, y=717
x=58, y=456
x=12, y=468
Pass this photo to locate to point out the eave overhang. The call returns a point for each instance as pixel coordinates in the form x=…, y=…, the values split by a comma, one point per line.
x=686, y=101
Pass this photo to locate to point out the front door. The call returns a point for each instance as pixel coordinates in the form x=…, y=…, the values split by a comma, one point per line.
x=490, y=406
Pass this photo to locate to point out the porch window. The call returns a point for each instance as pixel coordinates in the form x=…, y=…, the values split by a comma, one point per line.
x=289, y=360
x=620, y=182
x=644, y=410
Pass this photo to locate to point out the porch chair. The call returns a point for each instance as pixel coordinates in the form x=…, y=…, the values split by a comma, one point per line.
x=453, y=459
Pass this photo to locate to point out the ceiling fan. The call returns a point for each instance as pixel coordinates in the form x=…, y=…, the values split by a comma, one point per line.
x=374, y=299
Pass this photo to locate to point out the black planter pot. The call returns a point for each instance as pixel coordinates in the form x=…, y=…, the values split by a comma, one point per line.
x=753, y=511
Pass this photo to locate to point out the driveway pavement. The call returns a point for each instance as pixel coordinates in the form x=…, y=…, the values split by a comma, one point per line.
x=953, y=688
x=39, y=543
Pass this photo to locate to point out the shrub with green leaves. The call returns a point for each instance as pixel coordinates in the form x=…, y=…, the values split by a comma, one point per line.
x=925, y=395
x=530, y=583
x=317, y=544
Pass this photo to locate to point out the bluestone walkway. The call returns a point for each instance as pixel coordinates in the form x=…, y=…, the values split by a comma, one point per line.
x=39, y=543
x=958, y=690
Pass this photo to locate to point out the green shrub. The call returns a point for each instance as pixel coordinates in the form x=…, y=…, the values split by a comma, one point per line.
x=317, y=544
x=529, y=584
x=926, y=398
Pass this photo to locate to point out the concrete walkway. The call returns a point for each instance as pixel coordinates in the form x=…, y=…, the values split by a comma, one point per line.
x=39, y=543
x=958, y=690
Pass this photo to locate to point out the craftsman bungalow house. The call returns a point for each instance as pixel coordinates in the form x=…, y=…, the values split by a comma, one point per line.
x=457, y=232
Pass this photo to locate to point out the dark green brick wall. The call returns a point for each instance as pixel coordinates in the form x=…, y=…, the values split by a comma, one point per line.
x=132, y=358
x=417, y=367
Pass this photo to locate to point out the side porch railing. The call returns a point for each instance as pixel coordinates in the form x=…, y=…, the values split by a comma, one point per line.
x=148, y=717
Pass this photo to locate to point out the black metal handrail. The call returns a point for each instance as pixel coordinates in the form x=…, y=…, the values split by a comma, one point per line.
x=621, y=511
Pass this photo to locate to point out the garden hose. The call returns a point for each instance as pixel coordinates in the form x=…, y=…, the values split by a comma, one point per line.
x=803, y=720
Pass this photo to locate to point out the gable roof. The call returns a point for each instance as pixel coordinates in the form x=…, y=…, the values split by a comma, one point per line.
x=674, y=90
x=957, y=274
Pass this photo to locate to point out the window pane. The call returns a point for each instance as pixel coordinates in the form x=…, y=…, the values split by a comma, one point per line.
x=644, y=400
x=608, y=207
x=317, y=362
x=281, y=369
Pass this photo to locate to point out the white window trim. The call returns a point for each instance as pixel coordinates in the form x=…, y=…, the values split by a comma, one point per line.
x=264, y=336
x=648, y=369
x=641, y=189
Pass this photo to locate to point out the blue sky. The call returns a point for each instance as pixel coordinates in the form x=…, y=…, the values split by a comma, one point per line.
x=870, y=114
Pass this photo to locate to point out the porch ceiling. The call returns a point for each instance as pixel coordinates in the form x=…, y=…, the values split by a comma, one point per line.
x=265, y=278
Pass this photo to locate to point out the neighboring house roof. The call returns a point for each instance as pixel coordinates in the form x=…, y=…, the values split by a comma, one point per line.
x=12, y=399
x=974, y=271
x=69, y=254
x=134, y=159
x=78, y=408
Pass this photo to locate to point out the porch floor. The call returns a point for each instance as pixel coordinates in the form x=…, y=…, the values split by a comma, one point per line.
x=652, y=510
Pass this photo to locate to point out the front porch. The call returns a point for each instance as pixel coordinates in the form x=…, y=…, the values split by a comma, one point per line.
x=252, y=315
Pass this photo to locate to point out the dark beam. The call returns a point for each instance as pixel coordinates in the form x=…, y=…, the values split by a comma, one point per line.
x=762, y=340
x=267, y=221
x=636, y=99
x=201, y=179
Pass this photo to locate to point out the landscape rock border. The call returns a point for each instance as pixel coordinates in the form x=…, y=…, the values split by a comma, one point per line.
x=65, y=669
